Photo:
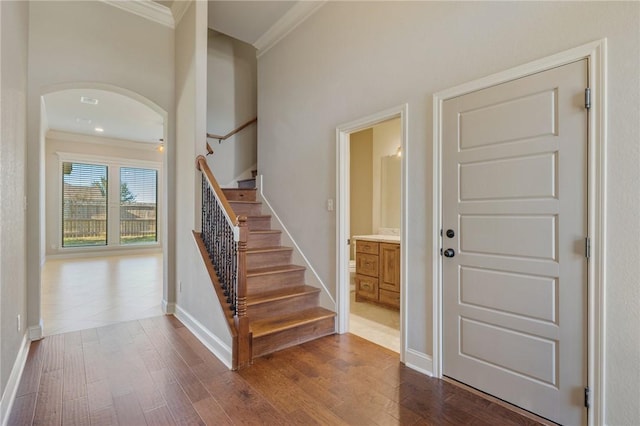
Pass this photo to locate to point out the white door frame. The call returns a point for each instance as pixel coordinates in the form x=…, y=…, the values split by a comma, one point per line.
x=342, y=230
x=595, y=53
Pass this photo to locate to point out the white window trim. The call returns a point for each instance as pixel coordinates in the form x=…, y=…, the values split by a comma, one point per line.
x=111, y=163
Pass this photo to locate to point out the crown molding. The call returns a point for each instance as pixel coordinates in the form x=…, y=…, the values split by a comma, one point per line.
x=289, y=21
x=61, y=135
x=147, y=9
x=179, y=8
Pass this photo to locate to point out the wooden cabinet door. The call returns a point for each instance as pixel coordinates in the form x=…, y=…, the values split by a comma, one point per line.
x=390, y=266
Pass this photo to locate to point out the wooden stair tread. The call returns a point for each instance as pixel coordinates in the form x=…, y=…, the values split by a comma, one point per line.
x=268, y=249
x=264, y=231
x=244, y=202
x=276, y=324
x=274, y=270
x=270, y=296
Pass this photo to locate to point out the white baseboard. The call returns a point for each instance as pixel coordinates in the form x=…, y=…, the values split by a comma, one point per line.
x=168, y=308
x=35, y=331
x=215, y=345
x=419, y=362
x=9, y=395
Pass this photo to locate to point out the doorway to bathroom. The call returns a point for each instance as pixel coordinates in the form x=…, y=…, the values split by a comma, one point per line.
x=370, y=211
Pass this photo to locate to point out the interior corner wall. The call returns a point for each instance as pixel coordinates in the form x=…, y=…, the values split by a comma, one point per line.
x=231, y=102
x=13, y=124
x=353, y=59
x=196, y=298
x=361, y=185
x=75, y=43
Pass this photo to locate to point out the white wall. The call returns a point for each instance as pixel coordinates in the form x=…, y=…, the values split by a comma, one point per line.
x=60, y=142
x=196, y=301
x=93, y=43
x=231, y=102
x=13, y=104
x=386, y=140
x=380, y=54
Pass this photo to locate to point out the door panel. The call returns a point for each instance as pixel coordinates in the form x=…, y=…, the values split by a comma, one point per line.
x=514, y=191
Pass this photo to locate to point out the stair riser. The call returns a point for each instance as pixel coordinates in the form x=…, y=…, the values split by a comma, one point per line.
x=263, y=240
x=259, y=223
x=246, y=209
x=294, y=336
x=283, y=306
x=262, y=283
x=267, y=259
x=240, y=194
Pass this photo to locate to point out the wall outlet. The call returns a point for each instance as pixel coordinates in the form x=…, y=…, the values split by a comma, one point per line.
x=330, y=204
x=18, y=322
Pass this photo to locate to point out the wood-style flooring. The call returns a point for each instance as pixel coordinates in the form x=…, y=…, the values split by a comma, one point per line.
x=154, y=371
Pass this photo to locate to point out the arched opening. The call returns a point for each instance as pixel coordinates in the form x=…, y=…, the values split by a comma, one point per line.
x=103, y=207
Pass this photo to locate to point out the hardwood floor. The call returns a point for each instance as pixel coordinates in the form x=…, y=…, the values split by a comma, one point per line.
x=154, y=371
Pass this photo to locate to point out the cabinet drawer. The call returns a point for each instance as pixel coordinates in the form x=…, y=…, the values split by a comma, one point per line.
x=367, y=287
x=390, y=298
x=369, y=247
x=367, y=264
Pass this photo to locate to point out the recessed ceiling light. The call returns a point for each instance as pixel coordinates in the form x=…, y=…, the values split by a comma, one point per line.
x=83, y=120
x=99, y=129
x=87, y=100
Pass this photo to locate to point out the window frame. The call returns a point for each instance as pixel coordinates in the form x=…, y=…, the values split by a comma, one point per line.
x=113, y=164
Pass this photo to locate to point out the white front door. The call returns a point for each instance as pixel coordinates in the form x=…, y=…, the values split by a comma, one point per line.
x=515, y=221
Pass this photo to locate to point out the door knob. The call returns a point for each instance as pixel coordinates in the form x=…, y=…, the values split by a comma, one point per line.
x=449, y=252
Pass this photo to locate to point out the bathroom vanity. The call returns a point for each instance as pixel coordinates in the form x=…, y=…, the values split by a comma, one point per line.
x=378, y=269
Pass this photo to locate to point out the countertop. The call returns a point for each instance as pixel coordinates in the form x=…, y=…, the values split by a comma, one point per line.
x=379, y=238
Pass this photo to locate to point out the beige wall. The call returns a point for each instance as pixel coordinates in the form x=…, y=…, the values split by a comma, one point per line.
x=13, y=122
x=361, y=184
x=231, y=102
x=196, y=301
x=380, y=54
x=96, y=147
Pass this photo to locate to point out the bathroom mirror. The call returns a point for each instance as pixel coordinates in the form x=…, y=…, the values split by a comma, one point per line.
x=390, y=192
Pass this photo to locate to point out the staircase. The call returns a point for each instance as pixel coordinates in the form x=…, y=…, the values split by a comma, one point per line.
x=283, y=311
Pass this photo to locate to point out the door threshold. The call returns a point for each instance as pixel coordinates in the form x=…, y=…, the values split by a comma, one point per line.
x=500, y=402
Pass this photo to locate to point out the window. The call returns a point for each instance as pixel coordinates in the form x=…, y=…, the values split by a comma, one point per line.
x=84, y=205
x=138, y=195
x=113, y=204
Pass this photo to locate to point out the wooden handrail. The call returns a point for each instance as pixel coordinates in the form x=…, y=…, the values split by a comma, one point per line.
x=233, y=132
x=201, y=164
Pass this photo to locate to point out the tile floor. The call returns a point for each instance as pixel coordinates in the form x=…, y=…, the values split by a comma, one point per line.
x=84, y=293
x=375, y=323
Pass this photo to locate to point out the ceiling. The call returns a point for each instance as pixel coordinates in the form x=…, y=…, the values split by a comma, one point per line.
x=121, y=117
x=246, y=20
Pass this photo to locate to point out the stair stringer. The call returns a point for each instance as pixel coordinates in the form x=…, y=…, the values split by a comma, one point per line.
x=311, y=276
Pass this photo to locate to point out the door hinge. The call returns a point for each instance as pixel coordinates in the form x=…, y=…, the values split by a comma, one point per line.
x=348, y=241
x=587, y=397
x=587, y=248
x=587, y=98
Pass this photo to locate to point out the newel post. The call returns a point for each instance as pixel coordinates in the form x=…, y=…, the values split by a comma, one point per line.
x=241, y=318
